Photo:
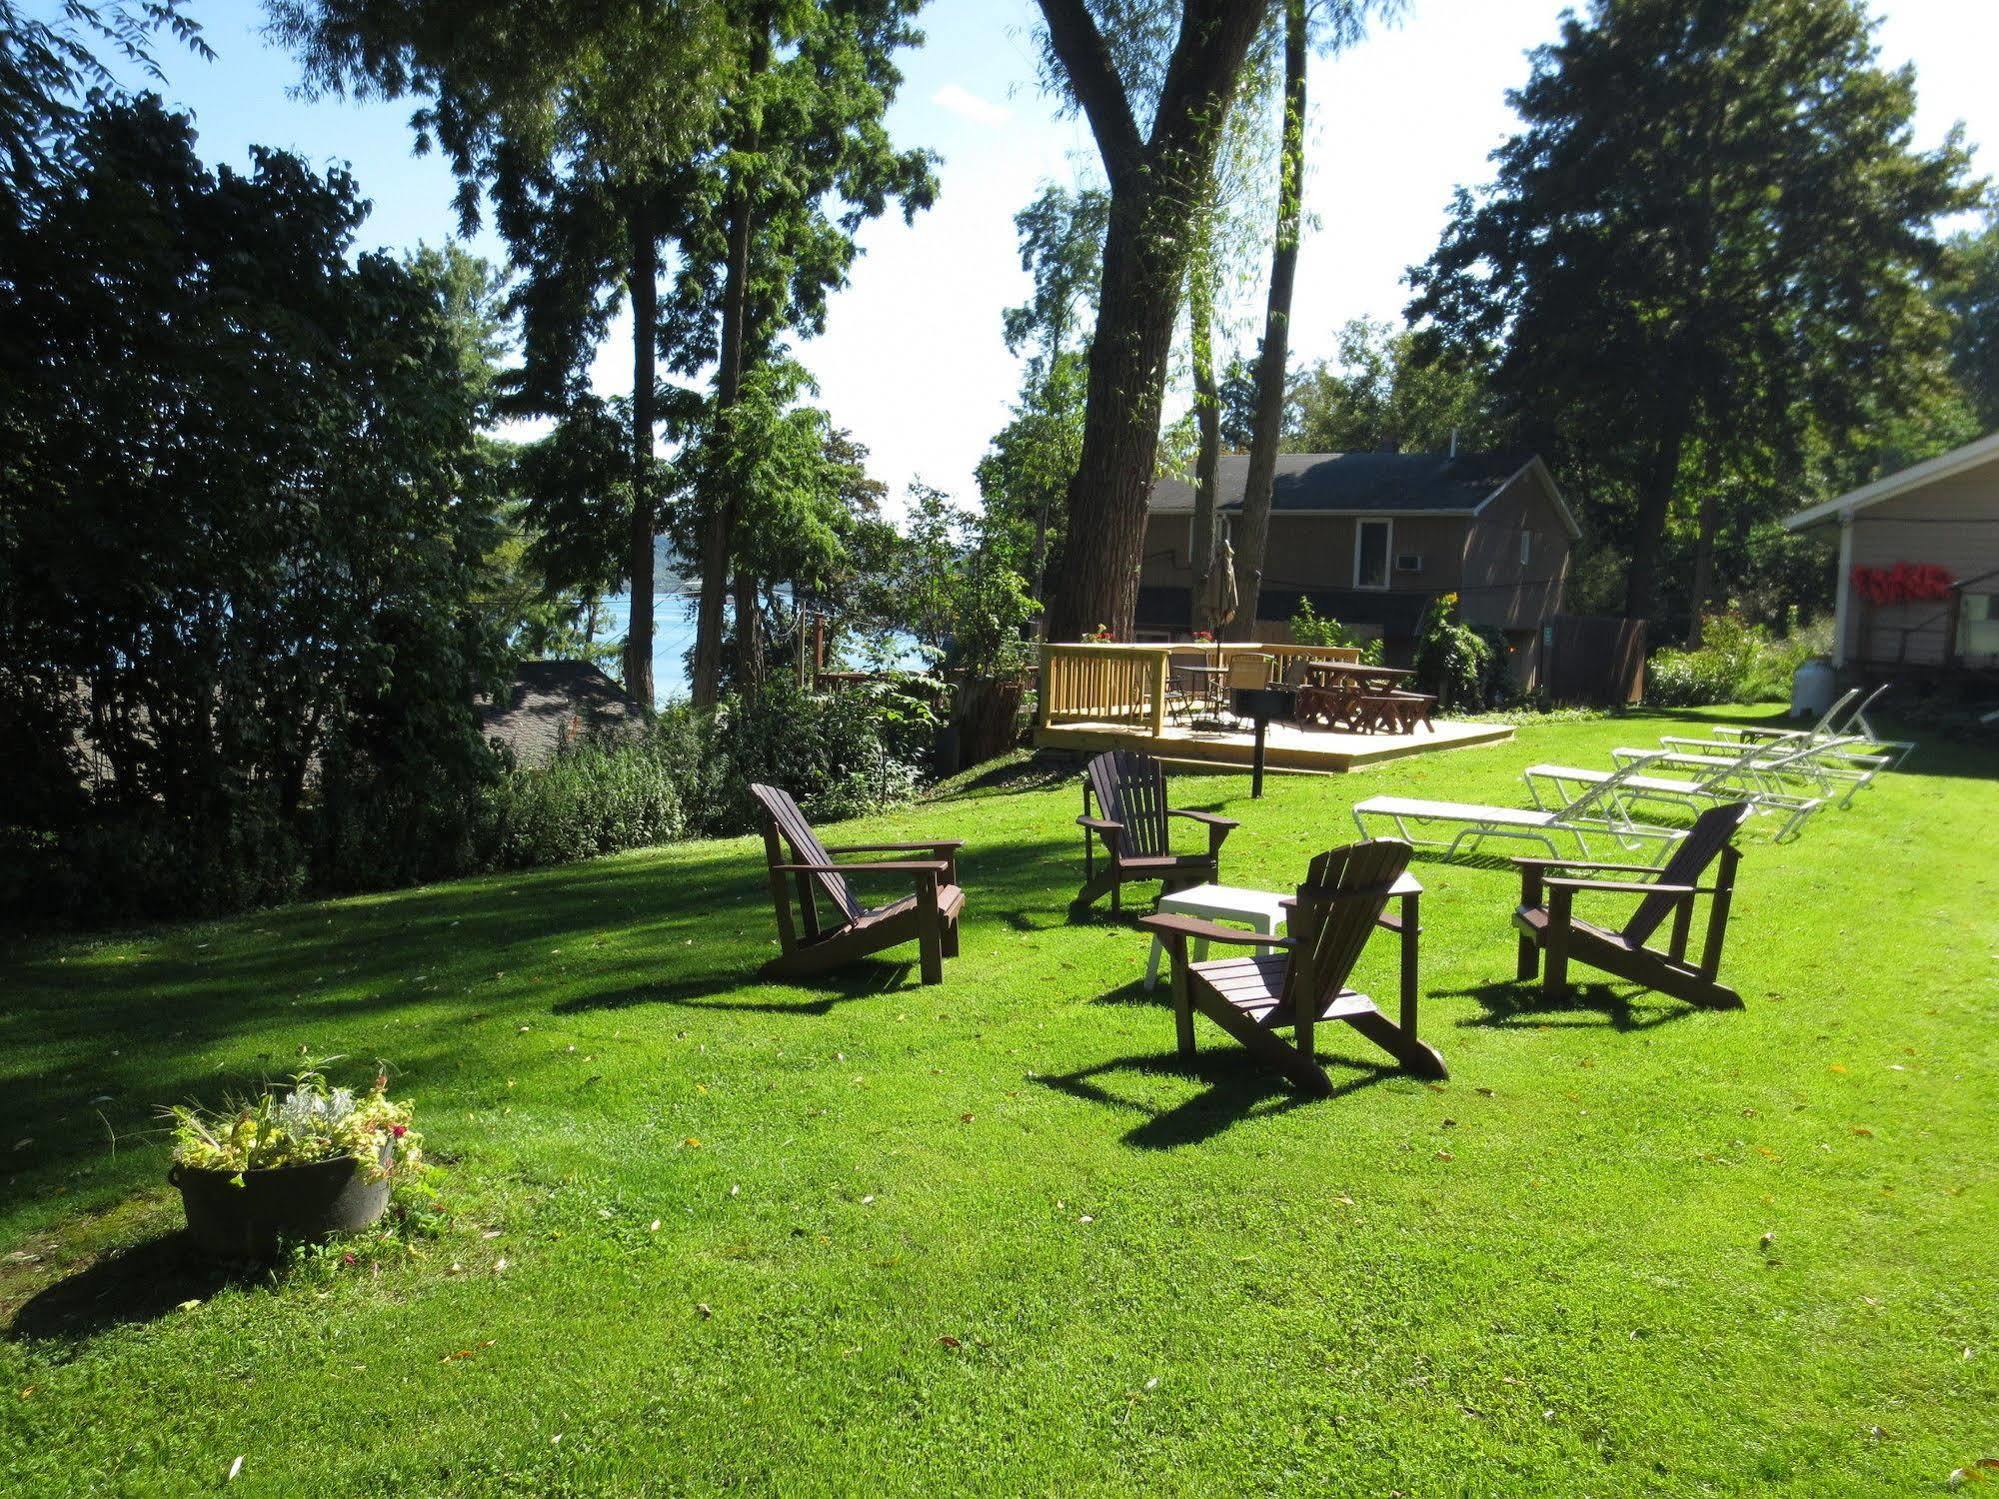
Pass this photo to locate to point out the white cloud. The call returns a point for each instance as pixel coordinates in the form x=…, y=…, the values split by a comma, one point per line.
x=962, y=101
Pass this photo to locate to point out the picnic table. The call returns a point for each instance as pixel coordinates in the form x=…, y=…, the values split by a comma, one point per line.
x=1361, y=698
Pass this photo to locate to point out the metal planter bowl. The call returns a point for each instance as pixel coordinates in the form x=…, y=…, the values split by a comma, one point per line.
x=247, y=1215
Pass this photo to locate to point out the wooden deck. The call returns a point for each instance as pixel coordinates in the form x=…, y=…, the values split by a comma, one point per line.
x=1287, y=748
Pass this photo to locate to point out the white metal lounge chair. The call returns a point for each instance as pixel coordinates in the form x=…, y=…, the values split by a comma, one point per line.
x=1706, y=787
x=1834, y=768
x=1853, y=726
x=1598, y=811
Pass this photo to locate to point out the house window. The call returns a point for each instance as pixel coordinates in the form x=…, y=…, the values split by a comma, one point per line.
x=1372, y=543
x=1978, y=625
x=1526, y=547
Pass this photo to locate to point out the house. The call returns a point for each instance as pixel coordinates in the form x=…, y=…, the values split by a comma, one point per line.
x=1372, y=538
x=554, y=705
x=1918, y=566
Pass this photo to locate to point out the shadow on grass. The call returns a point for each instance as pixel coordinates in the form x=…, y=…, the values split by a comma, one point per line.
x=132, y=1286
x=1136, y=993
x=1511, y=1003
x=862, y=979
x=1238, y=1088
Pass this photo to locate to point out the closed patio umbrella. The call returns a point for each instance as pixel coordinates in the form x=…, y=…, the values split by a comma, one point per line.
x=1223, y=599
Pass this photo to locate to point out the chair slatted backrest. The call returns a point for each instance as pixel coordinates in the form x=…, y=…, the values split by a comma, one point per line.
x=782, y=817
x=1702, y=845
x=1344, y=894
x=1131, y=789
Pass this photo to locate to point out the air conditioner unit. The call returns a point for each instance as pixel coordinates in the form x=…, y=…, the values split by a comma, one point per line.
x=1409, y=562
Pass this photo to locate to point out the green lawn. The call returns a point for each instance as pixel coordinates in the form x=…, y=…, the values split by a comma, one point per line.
x=991, y=1238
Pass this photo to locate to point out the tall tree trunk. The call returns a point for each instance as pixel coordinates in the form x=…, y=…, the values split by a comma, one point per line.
x=1655, y=499
x=644, y=289
x=1208, y=418
x=1156, y=185
x=719, y=533
x=1270, y=366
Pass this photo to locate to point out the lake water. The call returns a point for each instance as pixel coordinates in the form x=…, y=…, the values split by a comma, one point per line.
x=673, y=638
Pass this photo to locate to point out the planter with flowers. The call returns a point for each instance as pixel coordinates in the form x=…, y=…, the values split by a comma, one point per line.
x=298, y=1164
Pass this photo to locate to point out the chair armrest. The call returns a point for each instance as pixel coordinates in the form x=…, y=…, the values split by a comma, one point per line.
x=1212, y=819
x=932, y=844
x=1586, y=864
x=896, y=866
x=1170, y=925
x=1099, y=825
x=1631, y=887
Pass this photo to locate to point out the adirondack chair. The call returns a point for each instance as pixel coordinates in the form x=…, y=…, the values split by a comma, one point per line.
x=1302, y=980
x=927, y=916
x=1553, y=928
x=1129, y=791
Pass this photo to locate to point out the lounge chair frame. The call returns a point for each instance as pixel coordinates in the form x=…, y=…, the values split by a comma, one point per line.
x=1597, y=811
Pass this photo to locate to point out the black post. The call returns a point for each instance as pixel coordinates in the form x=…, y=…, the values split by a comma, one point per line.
x=1256, y=771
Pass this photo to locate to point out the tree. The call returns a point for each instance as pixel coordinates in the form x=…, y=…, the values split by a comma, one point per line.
x=242, y=518
x=805, y=159
x=581, y=122
x=1376, y=394
x=1024, y=476
x=46, y=64
x=1158, y=179
x=1342, y=22
x=1711, y=239
x=1971, y=297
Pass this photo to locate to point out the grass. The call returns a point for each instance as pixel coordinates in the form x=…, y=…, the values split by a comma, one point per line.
x=991, y=1237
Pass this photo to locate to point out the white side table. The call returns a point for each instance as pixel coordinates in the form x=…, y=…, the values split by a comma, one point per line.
x=1259, y=910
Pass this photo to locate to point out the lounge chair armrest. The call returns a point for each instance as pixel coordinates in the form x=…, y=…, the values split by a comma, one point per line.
x=929, y=844
x=1629, y=887
x=1100, y=825
x=1170, y=925
x=1212, y=819
x=894, y=866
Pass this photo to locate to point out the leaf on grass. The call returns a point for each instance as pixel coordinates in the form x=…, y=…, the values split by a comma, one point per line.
x=1837, y=1067
x=950, y=1342
x=234, y=1468
x=1768, y=1239
x=1343, y=1200
x=691, y=1143
x=1445, y=1155
x=1863, y=1131
x=704, y=1309
x=1086, y=1218
x=190, y=1304
x=964, y=1118
x=654, y=1228
x=1487, y=1093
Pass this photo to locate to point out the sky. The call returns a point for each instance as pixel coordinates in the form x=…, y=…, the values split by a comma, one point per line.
x=912, y=360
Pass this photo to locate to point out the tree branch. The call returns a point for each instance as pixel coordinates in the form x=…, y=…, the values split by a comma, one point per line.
x=1093, y=76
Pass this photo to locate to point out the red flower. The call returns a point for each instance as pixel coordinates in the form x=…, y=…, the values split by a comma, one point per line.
x=399, y=1130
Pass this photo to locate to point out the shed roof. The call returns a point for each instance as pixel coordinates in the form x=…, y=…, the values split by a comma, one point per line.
x=553, y=703
x=1944, y=466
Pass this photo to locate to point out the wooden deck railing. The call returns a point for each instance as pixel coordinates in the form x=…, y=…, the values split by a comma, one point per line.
x=1085, y=682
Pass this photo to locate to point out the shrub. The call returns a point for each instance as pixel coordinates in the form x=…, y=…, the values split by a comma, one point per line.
x=596, y=798
x=1463, y=665
x=1307, y=628
x=1737, y=662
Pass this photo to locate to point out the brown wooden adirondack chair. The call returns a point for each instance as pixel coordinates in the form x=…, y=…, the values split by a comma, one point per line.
x=927, y=916
x=1302, y=981
x=1130, y=793
x=1553, y=928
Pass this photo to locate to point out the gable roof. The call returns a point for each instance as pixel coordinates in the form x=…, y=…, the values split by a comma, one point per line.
x=1369, y=484
x=551, y=704
x=1971, y=455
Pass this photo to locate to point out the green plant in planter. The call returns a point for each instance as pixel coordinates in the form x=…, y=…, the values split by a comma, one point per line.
x=1308, y=627
x=305, y=1124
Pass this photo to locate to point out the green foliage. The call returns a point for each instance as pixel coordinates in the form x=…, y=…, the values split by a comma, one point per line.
x=831, y=751
x=1307, y=628
x=306, y=1123
x=1375, y=394
x=1707, y=256
x=242, y=520
x=1462, y=665
x=1738, y=662
x=593, y=798
x=1971, y=296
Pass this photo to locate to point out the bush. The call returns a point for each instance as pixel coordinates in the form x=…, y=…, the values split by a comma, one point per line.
x=1463, y=665
x=831, y=751
x=1307, y=628
x=1737, y=662
x=597, y=798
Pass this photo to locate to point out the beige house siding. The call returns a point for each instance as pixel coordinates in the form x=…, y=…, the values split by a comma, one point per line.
x=1953, y=523
x=1495, y=587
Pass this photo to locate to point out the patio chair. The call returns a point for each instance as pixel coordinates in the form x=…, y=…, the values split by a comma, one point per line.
x=1547, y=924
x=928, y=915
x=1707, y=786
x=1831, y=725
x=1597, y=810
x=1301, y=980
x=1832, y=767
x=1132, y=821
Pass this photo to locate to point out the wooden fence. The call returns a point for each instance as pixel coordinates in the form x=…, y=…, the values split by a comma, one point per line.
x=1587, y=659
x=1086, y=682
